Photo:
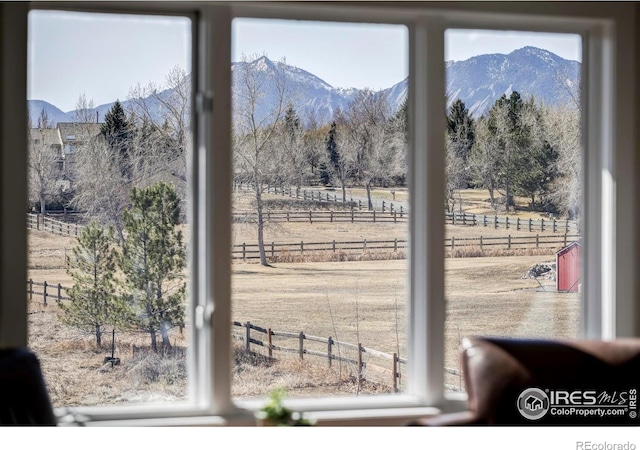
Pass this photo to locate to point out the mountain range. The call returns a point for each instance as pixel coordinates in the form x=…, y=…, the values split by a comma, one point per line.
x=478, y=81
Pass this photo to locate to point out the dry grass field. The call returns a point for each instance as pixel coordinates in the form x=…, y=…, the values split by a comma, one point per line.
x=357, y=301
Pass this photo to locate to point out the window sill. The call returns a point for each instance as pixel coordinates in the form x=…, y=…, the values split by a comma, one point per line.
x=374, y=411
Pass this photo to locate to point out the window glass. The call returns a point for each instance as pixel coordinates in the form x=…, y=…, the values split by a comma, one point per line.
x=107, y=219
x=513, y=194
x=320, y=208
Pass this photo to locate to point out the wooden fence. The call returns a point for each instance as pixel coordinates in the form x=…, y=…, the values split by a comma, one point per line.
x=359, y=356
x=388, y=215
x=252, y=251
x=386, y=211
x=49, y=290
x=38, y=222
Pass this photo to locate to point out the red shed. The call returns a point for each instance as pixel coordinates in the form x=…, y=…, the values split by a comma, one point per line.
x=568, y=268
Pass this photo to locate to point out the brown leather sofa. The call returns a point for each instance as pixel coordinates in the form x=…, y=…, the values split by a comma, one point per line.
x=548, y=382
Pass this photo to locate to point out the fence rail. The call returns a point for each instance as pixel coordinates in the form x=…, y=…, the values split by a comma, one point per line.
x=389, y=214
x=246, y=251
x=334, y=351
x=49, y=290
x=398, y=212
x=44, y=223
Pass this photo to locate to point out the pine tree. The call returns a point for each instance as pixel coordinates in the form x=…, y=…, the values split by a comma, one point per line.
x=94, y=304
x=460, y=129
x=337, y=164
x=117, y=131
x=152, y=259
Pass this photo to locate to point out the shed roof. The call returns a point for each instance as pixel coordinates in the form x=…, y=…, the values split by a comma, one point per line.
x=568, y=247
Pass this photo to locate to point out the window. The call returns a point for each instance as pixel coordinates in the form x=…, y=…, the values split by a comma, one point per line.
x=320, y=208
x=609, y=263
x=514, y=190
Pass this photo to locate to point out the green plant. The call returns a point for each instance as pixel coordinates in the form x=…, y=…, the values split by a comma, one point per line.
x=276, y=414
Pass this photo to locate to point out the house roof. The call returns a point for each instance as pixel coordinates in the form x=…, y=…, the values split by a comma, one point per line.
x=78, y=131
x=47, y=136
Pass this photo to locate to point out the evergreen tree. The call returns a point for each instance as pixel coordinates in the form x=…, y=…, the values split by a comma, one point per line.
x=337, y=164
x=460, y=129
x=152, y=259
x=512, y=153
x=116, y=129
x=94, y=304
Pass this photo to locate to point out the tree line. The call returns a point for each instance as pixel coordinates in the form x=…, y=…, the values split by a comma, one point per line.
x=519, y=148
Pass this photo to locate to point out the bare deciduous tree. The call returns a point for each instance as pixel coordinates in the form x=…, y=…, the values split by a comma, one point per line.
x=257, y=119
x=374, y=159
x=44, y=164
x=84, y=110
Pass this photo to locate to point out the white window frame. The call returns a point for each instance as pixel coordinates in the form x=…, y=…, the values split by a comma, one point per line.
x=607, y=146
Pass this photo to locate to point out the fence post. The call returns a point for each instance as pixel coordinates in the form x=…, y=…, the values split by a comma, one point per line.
x=331, y=215
x=475, y=222
x=506, y=221
x=248, y=336
x=270, y=343
x=554, y=225
x=59, y=292
x=566, y=226
x=464, y=218
x=359, y=363
x=495, y=219
x=244, y=251
x=352, y=214
x=374, y=216
x=453, y=244
x=37, y=221
x=518, y=224
x=542, y=225
x=301, y=247
x=310, y=218
x=382, y=205
x=537, y=240
x=480, y=244
x=565, y=240
x=30, y=289
x=76, y=229
x=484, y=219
x=401, y=211
x=394, y=372
x=301, y=344
x=45, y=293
x=395, y=245
x=364, y=246
x=272, y=249
x=329, y=345
x=334, y=246
x=359, y=205
x=529, y=224
x=509, y=242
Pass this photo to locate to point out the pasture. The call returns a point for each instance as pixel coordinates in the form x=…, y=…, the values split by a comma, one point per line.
x=357, y=301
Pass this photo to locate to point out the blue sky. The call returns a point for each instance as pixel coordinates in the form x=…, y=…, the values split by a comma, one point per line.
x=104, y=55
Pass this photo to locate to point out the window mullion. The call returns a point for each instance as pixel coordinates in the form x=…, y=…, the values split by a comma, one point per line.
x=214, y=227
x=427, y=304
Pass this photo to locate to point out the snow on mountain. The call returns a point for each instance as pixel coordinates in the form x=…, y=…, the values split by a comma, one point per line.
x=478, y=81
